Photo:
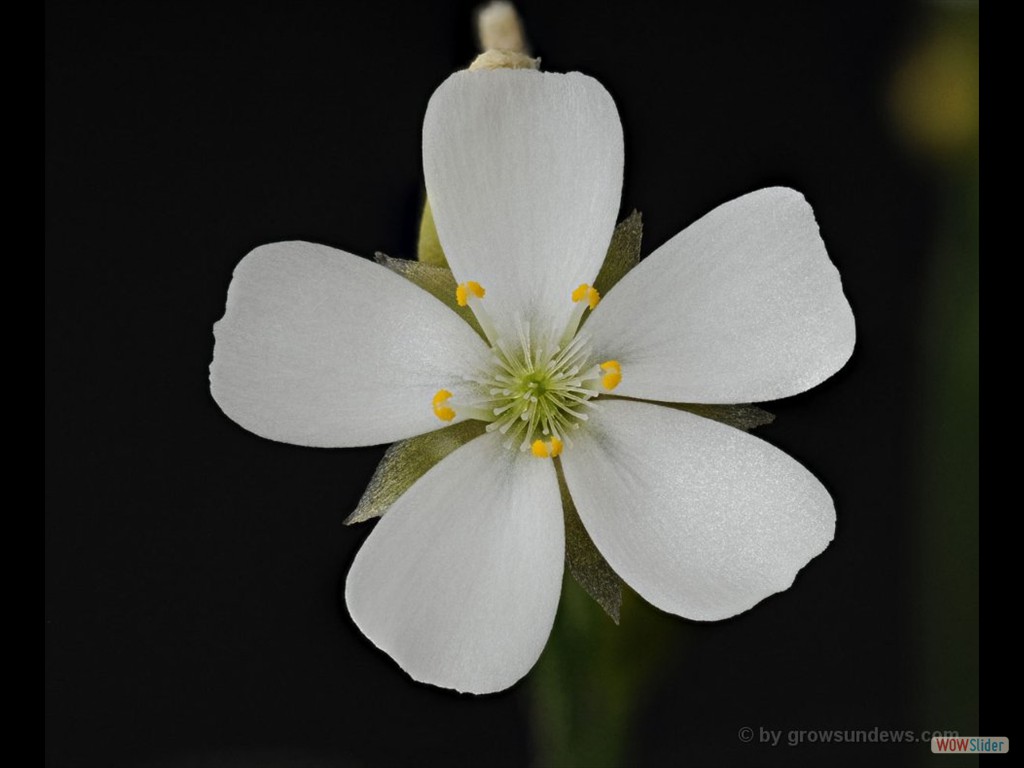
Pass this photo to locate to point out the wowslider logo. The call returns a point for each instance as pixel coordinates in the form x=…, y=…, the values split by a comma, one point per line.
x=976, y=745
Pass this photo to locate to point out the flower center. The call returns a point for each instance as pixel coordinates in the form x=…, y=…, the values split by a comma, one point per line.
x=535, y=389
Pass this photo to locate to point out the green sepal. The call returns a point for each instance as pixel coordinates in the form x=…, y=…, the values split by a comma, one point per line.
x=623, y=252
x=437, y=281
x=745, y=417
x=428, y=248
x=407, y=461
x=742, y=416
x=587, y=566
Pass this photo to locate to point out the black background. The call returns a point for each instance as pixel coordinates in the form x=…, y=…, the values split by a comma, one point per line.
x=194, y=571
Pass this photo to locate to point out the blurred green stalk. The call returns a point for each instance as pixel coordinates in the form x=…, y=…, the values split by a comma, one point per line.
x=594, y=677
x=934, y=100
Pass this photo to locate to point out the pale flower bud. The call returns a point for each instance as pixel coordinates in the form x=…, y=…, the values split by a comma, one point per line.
x=495, y=59
x=500, y=28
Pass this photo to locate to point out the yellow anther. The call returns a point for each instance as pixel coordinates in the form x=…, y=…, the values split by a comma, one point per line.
x=612, y=374
x=547, y=450
x=584, y=291
x=442, y=411
x=463, y=290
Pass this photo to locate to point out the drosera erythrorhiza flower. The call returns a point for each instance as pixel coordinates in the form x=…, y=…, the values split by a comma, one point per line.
x=459, y=582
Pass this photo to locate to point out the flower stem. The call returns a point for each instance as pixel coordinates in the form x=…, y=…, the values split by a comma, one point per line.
x=594, y=678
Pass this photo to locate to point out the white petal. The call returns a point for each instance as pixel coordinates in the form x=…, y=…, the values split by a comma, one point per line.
x=524, y=174
x=319, y=347
x=459, y=581
x=701, y=519
x=742, y=306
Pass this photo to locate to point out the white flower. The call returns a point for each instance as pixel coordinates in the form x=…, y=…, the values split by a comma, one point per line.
x=460, y=580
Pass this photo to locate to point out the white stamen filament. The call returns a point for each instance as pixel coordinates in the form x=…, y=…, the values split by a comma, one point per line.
x=482, y=317
x=531, y=384
x=536, y=388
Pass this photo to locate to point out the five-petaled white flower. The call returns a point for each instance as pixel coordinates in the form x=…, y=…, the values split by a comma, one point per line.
x=460, y=580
